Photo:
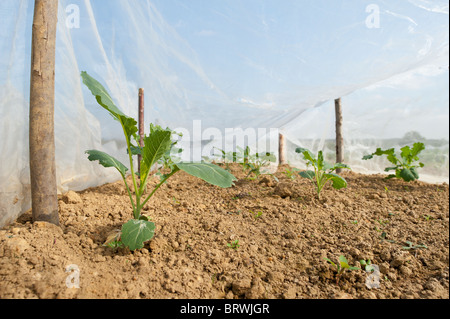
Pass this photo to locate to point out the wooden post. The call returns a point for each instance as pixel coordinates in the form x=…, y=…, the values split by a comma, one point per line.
x=141, y=125
x=339, y=137
x=281, y=150
x=41, y=126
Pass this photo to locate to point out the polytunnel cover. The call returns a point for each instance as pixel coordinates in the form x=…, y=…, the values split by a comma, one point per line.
x=219, y=71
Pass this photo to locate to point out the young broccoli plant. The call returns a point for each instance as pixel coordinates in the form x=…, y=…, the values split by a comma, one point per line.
x=323, y=172
x=290, y=172
x=341, y=266
x=156, y=150
x=255, y=164
x=405, y=165
x=252, y=164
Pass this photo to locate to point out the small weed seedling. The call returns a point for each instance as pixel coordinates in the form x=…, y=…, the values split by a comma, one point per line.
x=382, y=222
x=156, y=150
x=367, y=264
x=291, y=173
x=234, y=244
x=411, y=246
x=256, y=215
x=341, y=266
x=405, y=167
x=323, y=172
x=254, y=164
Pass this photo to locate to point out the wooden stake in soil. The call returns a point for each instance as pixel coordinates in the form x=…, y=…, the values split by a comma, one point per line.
x=281, y=150
x=339, y=137
x=141, y=125
x=44, y=199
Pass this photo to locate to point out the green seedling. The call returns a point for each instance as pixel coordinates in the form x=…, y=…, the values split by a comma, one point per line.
x=157, y=150
x=254, y=164
x=412, y=246
x=354, y=222
x=114, y=245
x=405, y=166
x=382, y=222
x=234, y=244
x=323, y=172
x=226, y=158
x=341, y=266
x=367, y=264
x=386, y=189
x=257, y=214
x=175, y=201
x=427, y=217
x=383, y=237
x=291, y=173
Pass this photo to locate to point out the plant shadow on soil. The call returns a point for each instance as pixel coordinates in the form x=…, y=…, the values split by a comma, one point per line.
x=284, y=234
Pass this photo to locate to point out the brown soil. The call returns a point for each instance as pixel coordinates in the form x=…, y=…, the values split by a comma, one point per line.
x=281, y=252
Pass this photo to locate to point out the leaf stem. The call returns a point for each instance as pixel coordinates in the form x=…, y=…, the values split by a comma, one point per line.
x=137, y=208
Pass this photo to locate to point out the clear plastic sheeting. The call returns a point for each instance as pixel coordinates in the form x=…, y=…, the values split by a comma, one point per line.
x=253, y=68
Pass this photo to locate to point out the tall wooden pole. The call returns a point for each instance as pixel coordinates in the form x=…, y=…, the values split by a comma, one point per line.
x=41, y=126
x=339, y=137
x=141, y=125
x=281, y=150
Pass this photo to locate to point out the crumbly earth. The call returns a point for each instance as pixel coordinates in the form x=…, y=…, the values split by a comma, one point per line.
x=284, y=233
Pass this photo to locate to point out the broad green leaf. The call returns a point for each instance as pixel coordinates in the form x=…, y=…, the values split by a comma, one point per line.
x=156, y=145
x=337, y=181
x=343, y=261
x=135, y=232
x=104, y=99
x=414, y=172
x=210, y=173
x=408, y=175
x=389, y=152
x=380, y=152
x=320, y=162
x=406, y=154
x=410, y=154
x=367, y=157
x=417, y=148
x=306, y=154
x=107, y=160
x=100, y=93
x=307, y=174
x=392, y=158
